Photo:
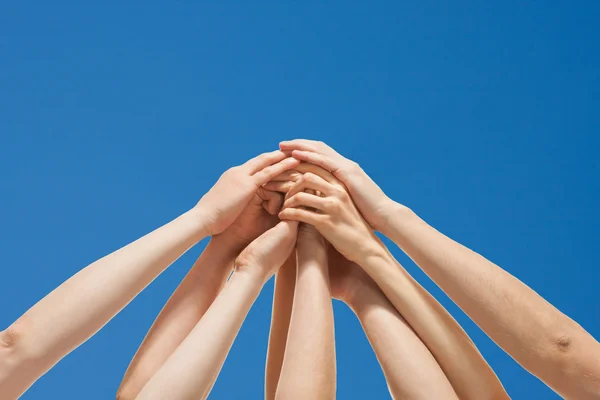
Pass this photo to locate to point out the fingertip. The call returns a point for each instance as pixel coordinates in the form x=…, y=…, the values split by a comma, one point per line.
x=285, y=145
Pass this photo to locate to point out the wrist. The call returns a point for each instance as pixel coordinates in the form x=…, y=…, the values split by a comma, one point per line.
x=363, y=297
x=372, y=248
x=250, y=277
x=198, y=223
x=393, y=213
x=228, y=245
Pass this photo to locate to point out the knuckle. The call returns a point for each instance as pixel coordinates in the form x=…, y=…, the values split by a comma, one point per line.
x=334, y=204
x=354, y=166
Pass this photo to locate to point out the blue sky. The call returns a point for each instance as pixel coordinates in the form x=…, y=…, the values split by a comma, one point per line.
x=115, y=117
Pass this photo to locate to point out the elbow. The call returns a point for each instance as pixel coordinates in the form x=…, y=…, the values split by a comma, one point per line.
x=11, y=340
x=559, y=351
x=566, y=350
x=17, y=345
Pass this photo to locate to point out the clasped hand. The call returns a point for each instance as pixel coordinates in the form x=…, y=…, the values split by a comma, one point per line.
x=258, y=206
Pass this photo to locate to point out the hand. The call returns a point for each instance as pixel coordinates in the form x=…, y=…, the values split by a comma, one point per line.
x=226, y=200
x=269, y=251
x=259, y=216
x=372, y=202
x=331, y=210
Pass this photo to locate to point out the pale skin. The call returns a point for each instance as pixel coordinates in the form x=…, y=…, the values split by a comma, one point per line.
x=333, y=213
x=411, y=371
x=538, y=336
x=283, y=298
x=198, y=290
x=190, y=372
x=78, y=308
x=308, y=369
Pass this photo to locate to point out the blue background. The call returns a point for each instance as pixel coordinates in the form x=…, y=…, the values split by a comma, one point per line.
x=116, y=117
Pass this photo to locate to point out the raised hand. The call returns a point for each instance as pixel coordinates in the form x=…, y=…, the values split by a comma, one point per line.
x=259, y=216
x=372, y=202
x=330, y=209
x=228, y=198
x=269, y=251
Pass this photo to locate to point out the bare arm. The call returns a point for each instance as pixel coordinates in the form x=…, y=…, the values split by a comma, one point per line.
x=410, y=369
x=191, y=370
x=78, y=308
x=340, y=222
x=538, y=336
x=283, y=297
x=198, y=290
x=308, y=370
x=457, y=355
x=182, y=312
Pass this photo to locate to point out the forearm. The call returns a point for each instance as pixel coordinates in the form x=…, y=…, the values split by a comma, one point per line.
x=182, y=312
x=409, y=367
x=308, y=370
x=78, y=308
x=190, y=371
x=538, y=336
x=467, y=371
x=283, y=297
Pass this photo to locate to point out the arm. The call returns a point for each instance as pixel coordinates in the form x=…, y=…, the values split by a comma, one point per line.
x=78, y=308
x=341, y=223
x=190, y=371
x=409, y=367
x=283, y=297
x=308, y=370
x=198, y=290
x=543, y=340
x=184, y=309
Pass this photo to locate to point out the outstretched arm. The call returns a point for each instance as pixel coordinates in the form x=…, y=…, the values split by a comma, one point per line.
x=335, y=216
x=191, y=370
x=543, y=340
x=198, y=290
x=308, y=370
x=283, y=298
x=78, y=308
x=184, y=309
x=410, y=369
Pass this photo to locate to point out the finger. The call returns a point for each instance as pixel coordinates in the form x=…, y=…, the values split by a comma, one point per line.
x=322, y=172
x=284, y=234
x=311, y=181
x=320, y=160
x=287, y=230
x=308, y=145
x=299, y=144
x=304, y=199
x=301, y=215
x=291, y=175
x=273, y=202
x=264, y=160
x=265, y=175
x=282, y=187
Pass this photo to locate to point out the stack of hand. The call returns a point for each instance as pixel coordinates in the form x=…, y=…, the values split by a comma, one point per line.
x=307, y=214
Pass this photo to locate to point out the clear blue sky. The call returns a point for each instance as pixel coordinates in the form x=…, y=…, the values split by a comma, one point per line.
x=117, y=116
